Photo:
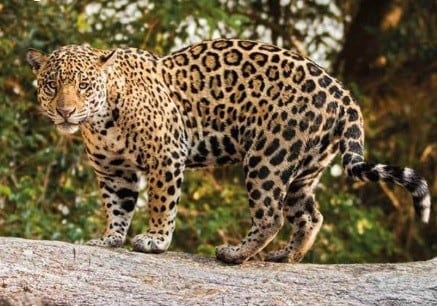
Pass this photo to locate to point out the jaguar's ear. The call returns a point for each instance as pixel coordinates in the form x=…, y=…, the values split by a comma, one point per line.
x=36, y=59
x=108, y=60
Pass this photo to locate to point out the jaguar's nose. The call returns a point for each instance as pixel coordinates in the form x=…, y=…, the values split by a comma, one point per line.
x=65, y=112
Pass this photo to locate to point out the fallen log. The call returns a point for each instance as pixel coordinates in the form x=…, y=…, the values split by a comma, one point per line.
x=59, y=273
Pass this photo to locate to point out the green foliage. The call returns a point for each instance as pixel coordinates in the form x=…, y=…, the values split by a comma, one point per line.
x=211, y=213
x=47, y=190
x=350, y=231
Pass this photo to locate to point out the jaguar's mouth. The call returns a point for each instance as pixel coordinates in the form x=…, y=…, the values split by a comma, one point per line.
x=69, y=125
x=67, y=128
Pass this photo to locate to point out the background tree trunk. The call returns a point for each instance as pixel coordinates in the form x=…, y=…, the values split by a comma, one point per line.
x=362, y=56
x=393, y=73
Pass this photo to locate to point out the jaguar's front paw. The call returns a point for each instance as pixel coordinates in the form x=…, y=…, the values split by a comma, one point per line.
x=109, y=241
x=231, y=254
x=151, y=243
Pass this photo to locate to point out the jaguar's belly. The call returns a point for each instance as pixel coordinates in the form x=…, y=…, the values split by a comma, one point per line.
x=214, y=150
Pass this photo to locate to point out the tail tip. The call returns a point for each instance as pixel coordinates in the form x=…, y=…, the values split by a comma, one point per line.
x=425, y=208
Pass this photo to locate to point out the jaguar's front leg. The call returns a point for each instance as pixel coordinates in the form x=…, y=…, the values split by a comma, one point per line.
x=119, y=192
x=164, y=190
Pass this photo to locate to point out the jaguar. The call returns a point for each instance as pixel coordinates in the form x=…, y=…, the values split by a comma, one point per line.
x=218, y=102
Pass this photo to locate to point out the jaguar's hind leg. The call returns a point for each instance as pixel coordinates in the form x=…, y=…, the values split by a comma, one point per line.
x=266, y=193
x=300, y=209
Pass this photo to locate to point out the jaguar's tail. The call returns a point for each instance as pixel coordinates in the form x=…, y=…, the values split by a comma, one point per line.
x=351, y=148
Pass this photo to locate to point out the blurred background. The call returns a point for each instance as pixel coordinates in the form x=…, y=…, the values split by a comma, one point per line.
x=385, y=51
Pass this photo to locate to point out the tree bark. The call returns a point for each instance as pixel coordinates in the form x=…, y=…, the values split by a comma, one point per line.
x=361, y=57
x=59, y=273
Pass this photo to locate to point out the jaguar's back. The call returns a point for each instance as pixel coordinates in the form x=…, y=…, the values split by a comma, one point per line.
x=233, y=93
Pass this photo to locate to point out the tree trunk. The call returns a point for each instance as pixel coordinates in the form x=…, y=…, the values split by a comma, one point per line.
x=385, y=53
x=58, y=273
x=361, y=57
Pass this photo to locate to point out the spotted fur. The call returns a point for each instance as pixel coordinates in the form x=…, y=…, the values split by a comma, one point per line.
x=210, y=104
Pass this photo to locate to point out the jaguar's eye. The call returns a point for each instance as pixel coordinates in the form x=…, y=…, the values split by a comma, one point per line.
x=83, y=85
x=51, y=85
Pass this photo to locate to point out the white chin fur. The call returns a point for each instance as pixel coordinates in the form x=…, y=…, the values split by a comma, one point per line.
x=67, y=129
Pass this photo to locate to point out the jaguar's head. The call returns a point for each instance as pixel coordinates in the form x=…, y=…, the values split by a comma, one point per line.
x=71, y=83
